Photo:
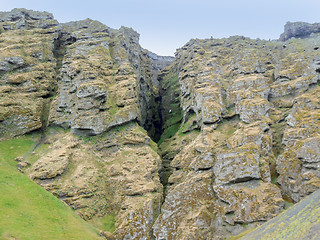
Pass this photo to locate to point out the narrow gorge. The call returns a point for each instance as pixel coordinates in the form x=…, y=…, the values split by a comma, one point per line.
x=205, y=145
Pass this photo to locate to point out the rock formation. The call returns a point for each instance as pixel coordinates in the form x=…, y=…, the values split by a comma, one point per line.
x=299, y=30
x=236, y=121
x=301, y=221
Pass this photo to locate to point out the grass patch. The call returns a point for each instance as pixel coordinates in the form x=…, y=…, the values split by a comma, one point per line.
x=171, y=114
x=169, y=132
x=27, y=210
x=105, y=223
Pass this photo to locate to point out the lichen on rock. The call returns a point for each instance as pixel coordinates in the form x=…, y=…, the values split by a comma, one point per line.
x=236, y=123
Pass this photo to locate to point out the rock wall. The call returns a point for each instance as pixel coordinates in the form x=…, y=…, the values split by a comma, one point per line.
x=93, y=80
x=236, y=121
x=251, y=106
x=27, y=69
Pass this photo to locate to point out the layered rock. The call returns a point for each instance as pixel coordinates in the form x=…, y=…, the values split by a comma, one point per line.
x=115, y=174
x=97, y=87
x=21, y=18
x=250, y=100
x=27, y=70
x=92, y=79
x=237, y=122
x=298, y=165
x=301, y=221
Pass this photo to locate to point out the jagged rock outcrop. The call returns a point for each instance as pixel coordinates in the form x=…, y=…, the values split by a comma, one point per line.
x=21, y=18
x=236, y=120
x=97, y=89
x=249, y=99
x=299, y=30
x=103, y=74
x=92, y=79
x=27, y=70
x=115, y=175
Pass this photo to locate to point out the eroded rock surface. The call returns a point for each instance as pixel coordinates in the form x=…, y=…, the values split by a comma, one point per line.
x=115, y=174
x=249, y=99
x=236, y=120
x=92, y=79
x=27, y=70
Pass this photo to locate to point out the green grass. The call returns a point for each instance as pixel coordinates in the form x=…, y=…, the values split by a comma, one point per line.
x=27, y=211
x=169, y=132
x=105, y=223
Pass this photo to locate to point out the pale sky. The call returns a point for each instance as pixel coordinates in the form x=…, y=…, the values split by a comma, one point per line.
x=165, y=25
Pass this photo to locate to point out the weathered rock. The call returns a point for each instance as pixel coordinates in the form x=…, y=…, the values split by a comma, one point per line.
x=116, y=174
x=251, y=110
x=28, y=74
x=299, y=30
x=249, y=201
x=298, y=174
x=239, y=166
x=21, y=18
x=11, y=63
x=189, y=210
x=250, y=99
x=232, y=116
x=300, y=221
x=52, y=165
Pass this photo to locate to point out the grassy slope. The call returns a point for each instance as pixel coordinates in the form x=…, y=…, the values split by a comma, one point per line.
x=27, y=211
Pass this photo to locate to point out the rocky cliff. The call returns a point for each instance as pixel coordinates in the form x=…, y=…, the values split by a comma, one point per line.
x=236, y=123
x=299, y=30
x=247, y=139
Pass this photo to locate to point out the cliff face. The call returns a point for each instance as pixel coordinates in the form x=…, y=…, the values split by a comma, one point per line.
x=252, y=107
x=236, y=121
x=93, y=80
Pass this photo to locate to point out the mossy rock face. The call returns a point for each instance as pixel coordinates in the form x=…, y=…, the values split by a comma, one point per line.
x=233, y=117
x=256, y=105
x=112, y=174
x=21, y=18
x=93, y=88
x=28, y=79
x=297, y=173
x=189, y=209
x=249, y=201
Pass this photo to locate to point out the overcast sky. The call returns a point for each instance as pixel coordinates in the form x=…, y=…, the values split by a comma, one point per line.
x=165, y=25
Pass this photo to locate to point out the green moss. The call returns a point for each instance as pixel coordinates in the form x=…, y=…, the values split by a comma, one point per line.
x=112, y=106
x=187, y=125
x=105, y=223
x=108, y=223
x=1, y=29
x=169, y=132
x=278, y=129
x=41, y=150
